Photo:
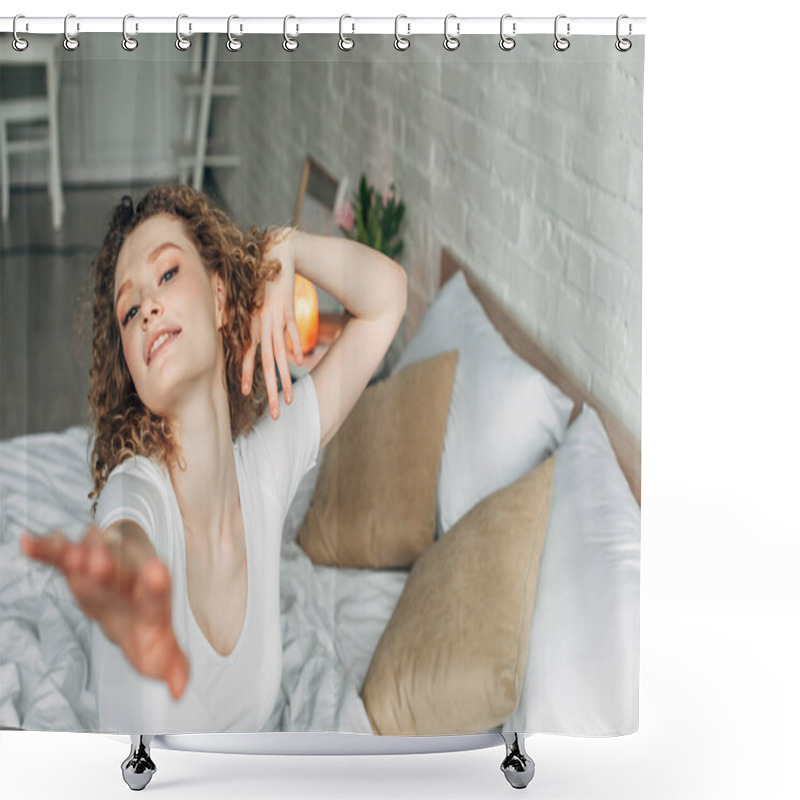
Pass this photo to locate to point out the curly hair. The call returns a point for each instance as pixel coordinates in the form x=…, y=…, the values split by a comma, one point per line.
x=123, y=426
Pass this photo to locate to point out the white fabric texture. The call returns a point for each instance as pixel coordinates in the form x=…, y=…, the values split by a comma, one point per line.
x=583, y=660
x=505, y=416
x=270, y=461
x=582, y=673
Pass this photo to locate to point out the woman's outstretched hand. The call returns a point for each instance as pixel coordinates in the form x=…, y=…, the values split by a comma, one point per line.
x=132, y=603
x=267, y=328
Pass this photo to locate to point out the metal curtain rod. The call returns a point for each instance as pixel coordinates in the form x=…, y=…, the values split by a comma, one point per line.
x=407, y=26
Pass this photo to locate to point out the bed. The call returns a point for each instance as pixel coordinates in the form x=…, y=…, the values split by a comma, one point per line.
x=581, y=665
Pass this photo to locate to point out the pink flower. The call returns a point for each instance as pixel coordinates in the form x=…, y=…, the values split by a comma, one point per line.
x=388, y=195
x=344, y=216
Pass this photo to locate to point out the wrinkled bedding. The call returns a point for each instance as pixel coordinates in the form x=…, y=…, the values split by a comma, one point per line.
x=582, y=670
x=331, y=618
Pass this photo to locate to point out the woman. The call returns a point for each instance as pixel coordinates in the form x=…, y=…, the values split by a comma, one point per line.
x=180, y=572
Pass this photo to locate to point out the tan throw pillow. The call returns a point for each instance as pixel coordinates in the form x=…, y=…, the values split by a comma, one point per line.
x=374, y=502
x=452, y=658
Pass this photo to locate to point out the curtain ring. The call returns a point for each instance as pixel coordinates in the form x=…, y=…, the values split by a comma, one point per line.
x=561, y=43
x=290, y=44
x=451, y=42
x=182, y=43
x=233, y=44
x=129, y=43
x=344, y=42
x=19, y=44
x=623, y=45
x=70, y=42
x=507, y=42
x=400, y=42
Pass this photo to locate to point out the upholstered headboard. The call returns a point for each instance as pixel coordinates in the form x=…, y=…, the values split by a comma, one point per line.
x=626, y=445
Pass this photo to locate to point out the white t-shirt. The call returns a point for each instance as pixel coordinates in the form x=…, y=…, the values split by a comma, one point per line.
x=236, y=692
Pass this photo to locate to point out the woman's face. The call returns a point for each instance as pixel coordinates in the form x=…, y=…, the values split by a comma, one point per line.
x=169, y=310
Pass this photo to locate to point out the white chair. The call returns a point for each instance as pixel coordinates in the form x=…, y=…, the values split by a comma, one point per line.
x=41, y=52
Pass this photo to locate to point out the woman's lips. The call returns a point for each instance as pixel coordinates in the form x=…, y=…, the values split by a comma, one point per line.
x=166, y=343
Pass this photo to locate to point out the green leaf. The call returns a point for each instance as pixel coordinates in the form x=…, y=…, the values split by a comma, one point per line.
x=378, y=222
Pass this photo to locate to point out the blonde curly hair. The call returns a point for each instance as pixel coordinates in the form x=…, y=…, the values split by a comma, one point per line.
x=123, y=426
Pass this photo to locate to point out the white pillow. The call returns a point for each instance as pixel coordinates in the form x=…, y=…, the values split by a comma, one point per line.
x=582, y=676
x=505, y=416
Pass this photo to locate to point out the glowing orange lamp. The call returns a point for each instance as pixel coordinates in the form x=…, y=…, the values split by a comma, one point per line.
x=306, y=313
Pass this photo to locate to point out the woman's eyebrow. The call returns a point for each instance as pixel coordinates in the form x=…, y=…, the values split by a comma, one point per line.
x=160, y=249
x=154, y=254
x=121, y=290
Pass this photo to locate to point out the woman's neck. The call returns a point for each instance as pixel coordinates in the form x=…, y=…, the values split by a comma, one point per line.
x=207, y=489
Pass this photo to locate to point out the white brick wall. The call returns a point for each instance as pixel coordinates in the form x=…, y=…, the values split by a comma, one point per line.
x=527, y=164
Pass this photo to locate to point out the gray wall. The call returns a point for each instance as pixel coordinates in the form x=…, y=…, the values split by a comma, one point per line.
x=119, y=112
x=527, y=164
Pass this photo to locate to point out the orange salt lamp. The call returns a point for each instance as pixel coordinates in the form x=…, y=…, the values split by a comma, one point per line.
x=306, y=313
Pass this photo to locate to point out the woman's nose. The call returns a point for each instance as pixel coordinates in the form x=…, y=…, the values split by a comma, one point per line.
x=150, y=308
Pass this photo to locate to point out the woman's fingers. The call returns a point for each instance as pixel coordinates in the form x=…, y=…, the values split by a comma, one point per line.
x=47, y=549
x=283, y=364
x=93, y=534
x=133, y=606
x=248, y=364
x=156, y=653
x=74, y=559
x=267, y=362
x=294, y=335
x=100, y=581
x=153, y=593
x=95, y=560
x=100, y=563
x=178, y=672
x=89, y=562
x=155, y=650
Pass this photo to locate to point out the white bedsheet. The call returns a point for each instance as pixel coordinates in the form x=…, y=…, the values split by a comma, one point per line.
x=582, y=674
x=331, y=619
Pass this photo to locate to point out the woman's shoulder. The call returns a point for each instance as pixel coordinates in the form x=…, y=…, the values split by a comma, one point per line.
x=291, y=414
x=136, y=489
x=140, y=466
x=282, y=441
x=137, y=479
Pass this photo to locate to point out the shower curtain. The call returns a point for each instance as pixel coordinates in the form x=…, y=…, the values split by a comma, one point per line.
x=462, y=553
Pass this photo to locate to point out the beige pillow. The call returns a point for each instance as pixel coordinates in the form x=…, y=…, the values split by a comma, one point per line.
x=452, y=658
x=374, y=502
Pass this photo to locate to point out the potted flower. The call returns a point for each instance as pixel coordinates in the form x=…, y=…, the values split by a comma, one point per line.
x=373, y=219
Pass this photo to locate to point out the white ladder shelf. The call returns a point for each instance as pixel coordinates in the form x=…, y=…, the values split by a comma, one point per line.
x=196, y=151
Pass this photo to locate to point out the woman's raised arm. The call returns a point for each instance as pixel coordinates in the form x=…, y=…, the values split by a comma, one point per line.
x=373, y=288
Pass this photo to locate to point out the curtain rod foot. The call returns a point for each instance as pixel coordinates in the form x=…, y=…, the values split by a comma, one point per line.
x=138, y=768
x=518, y=766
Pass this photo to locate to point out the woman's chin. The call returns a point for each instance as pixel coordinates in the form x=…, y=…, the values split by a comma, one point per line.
x=173, y=390
x=165, y=400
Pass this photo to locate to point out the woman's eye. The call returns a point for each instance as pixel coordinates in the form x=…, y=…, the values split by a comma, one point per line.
x=167, y=276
